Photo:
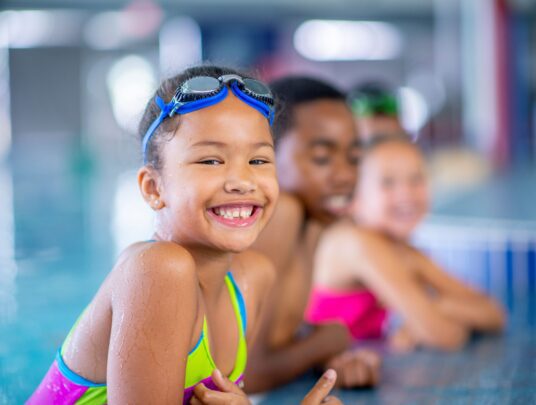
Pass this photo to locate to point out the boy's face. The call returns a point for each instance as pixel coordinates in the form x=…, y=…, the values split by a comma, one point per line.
x=317, y=158
x=392, y=194
x=218, y=182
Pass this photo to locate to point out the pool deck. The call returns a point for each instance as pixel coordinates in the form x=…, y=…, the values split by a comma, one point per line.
x=489, y=370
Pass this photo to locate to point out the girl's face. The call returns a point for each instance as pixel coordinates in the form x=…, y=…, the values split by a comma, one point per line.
x=317, y=159
x=392, y=193
x=218, y=182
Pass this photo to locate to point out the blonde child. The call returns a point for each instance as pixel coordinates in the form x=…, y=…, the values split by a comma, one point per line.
x=366, y=266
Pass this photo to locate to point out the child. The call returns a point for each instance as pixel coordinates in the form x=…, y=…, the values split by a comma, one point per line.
x=179, y=306
x=317, y=152
x=376, y=110
x=363, y=265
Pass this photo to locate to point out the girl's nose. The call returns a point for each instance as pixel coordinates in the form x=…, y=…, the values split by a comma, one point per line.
x=240, y=182
x=344, y=174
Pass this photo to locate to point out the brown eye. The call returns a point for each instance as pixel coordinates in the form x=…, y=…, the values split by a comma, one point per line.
x=210, y=162
x=321, y=160
x=354, y=157
x=258, y=162
x=321, y=152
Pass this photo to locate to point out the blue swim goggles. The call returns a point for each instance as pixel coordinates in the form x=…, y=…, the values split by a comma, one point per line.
x=203, y=91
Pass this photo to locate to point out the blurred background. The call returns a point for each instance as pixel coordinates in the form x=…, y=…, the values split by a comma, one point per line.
x=75, y=76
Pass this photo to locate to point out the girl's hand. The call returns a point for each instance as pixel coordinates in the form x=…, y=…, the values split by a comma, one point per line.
x=356, y=368
x=319, y=393
x=230, y=393
x=401, y=341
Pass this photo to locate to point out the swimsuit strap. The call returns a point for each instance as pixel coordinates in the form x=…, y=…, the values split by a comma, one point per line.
x=200, y=363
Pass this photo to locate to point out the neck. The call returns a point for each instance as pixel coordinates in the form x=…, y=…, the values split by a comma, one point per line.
x=211, y=264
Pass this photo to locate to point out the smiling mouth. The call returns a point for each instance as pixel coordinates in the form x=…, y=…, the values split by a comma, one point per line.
x=337, y=204
x=235, y=215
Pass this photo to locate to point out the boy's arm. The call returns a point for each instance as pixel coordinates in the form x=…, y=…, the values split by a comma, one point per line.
x=268, y=366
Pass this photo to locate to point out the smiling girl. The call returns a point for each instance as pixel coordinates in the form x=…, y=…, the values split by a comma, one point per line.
x=174, y=315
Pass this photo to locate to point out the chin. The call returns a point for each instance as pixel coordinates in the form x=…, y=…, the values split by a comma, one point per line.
x=236, y=246
x=402, y=233
x=322, y=216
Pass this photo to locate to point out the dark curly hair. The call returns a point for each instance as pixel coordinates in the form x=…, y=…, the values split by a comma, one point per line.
x=292, y=91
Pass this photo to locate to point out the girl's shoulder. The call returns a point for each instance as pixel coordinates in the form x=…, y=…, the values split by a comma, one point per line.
x=253, y=268
x=156, y=261
x=346, y=233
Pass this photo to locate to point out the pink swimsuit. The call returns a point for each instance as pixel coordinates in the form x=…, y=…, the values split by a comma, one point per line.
x=360, y=311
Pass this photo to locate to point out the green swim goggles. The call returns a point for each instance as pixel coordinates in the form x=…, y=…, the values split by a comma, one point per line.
x=369, y=105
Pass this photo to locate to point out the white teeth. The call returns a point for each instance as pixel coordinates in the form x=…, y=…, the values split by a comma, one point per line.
x=338, y=201
x=233, y=213
x=246, y=212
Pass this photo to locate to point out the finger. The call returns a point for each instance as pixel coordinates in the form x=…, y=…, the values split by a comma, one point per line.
x=201, y=392
x=195, y=401
x=373, y=362
x=207, y=396
x=350, y=377
x=374, y=375
x=331, y=400
x=224, y=383
x=321, y=389
x=363, y=374
x=370, y=357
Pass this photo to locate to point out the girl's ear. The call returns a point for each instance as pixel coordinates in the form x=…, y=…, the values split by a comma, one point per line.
x=149, y=183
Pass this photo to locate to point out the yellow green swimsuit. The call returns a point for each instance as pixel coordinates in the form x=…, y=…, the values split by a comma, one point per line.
x=62, y=386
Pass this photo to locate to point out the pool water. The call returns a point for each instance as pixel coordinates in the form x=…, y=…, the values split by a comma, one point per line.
x=60, y=231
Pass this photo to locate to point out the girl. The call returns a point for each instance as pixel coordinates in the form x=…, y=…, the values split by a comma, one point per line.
x=177, y=307
x=364, y=264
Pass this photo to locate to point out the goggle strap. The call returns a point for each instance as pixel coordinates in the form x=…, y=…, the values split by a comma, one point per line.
x=258, y=105
x=165, y=108
x=150, y=132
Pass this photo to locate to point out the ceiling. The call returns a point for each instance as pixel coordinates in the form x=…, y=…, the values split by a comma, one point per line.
x=263, y=10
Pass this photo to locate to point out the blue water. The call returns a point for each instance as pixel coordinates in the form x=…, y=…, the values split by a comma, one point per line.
x=61, y=228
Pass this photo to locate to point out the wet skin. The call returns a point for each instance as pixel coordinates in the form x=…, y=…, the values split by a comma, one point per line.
x=214, y=194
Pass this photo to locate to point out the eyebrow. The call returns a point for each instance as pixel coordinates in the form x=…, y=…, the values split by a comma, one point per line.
x=330, y=144
x=223, y=144
x=322, y=142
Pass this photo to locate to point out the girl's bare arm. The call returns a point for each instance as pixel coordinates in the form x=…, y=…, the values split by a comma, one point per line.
x=154, y=310
x=372, y=260
x=459, y=301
